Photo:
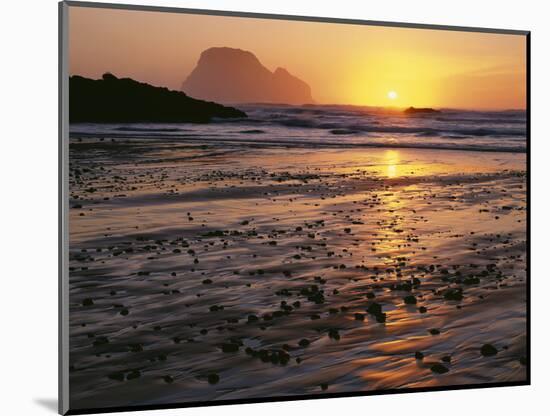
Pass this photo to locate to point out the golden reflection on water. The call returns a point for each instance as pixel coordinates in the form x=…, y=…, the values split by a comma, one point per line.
x=399, y=163
x=391, y=159
x=392, y=241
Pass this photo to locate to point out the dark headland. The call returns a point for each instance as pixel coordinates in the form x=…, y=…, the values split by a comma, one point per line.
x=231, y=75
x=124, y=100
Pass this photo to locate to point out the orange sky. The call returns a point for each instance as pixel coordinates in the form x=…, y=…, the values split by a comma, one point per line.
x=345, y=64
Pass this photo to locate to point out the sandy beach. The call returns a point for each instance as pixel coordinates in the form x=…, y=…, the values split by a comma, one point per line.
x=213, y=271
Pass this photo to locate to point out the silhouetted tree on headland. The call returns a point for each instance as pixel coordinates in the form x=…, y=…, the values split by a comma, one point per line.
x=119, y=100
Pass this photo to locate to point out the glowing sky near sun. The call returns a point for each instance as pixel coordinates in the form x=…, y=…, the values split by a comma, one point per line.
x=344, y=64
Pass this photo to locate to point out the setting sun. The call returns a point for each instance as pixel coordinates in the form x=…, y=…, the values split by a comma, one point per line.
x=392, y=95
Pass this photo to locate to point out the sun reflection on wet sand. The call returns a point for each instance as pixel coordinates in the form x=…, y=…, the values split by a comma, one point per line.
x=391, y=158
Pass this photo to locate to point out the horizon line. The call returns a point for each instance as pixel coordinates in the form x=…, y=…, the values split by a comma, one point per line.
x=404, y=107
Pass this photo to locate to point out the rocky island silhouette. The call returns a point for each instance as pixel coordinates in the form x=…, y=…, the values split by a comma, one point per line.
x=229, y=75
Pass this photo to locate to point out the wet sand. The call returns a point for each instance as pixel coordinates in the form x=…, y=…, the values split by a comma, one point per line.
x=212, y=272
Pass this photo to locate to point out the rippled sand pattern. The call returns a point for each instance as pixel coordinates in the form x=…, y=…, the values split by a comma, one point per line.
x=202, y=272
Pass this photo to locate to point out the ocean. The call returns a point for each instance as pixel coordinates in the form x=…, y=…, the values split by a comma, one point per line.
x=341, y=125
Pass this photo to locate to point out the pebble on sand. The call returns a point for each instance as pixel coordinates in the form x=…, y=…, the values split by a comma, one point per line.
x=100, y=341
x=488, y=350
x=409, y=300
x=381, y=317
x=439, y=368
x=453, y=294
x=334, y=334
x=304, y=342
x=374, y=308
x=116, y=376
x=230, y=347
x=213, y=378
x=87, y=302
x=133, y=374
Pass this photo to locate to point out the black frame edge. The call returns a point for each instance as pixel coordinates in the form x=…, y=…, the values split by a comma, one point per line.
x=528, y=234
x=319, y=19
x=280, y=399
x=63, y=308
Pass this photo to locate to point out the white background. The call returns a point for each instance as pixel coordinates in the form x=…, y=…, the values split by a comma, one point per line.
x=28, y=235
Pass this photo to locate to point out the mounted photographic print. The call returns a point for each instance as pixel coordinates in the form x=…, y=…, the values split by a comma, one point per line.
x=262, y=207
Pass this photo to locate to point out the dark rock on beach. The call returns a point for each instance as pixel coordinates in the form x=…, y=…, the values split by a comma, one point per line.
x=133, y=375
x=213, y=378
x=230, y=347
x=453, y=294
x=304, y=342
x=410, y=300
x=413, y=110
x=488, y=350
x=439, y=368
x=116, y=376
x=124, y=100
x=87, y=302
x=99, y=341
x=374, y=308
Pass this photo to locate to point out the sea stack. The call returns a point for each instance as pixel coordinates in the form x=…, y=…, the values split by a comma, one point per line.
x=229, y=75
